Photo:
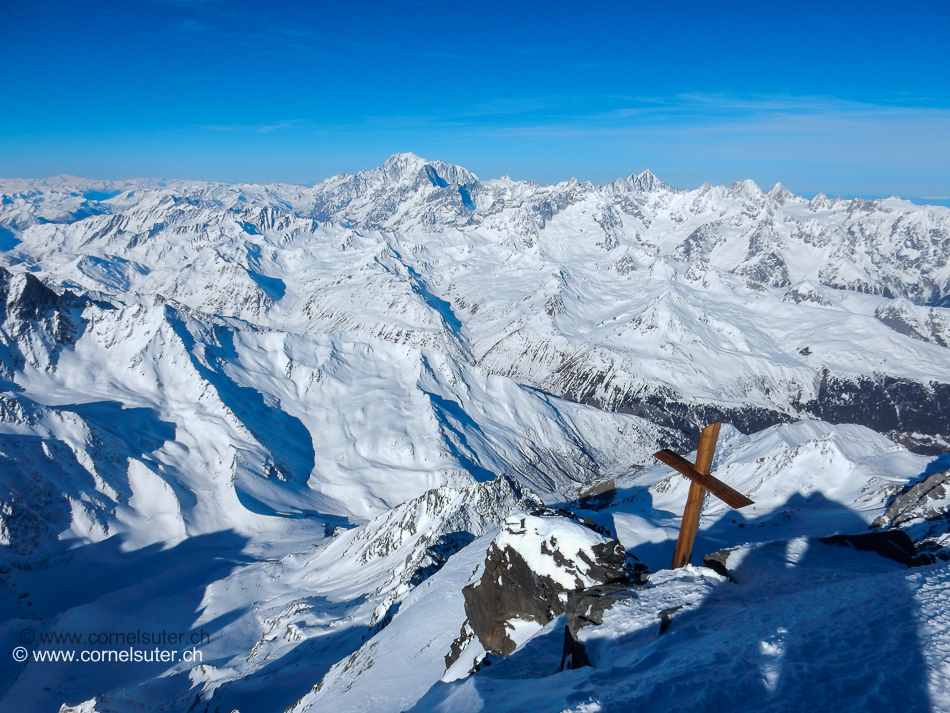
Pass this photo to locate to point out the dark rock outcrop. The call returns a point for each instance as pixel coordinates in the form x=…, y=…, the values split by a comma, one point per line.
x=458, y=646
x=893, y=544
x=532, y=569
x=926, y=500
x=509, y=589
x=915, y=414
x=717, y=562
x=585, y=608
x=30, y=311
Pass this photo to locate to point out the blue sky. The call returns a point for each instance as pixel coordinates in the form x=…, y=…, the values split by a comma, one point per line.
x=843, y=97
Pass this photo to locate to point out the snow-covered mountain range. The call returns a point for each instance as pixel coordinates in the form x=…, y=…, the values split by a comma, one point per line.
x=635, y=297
x=301, y=417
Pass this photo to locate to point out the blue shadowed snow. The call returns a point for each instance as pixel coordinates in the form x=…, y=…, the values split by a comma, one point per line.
x=437, y=303
x=253, y=504
x=436, y=179
x=814, y=515
x=100, y=588
x=100, y=195
x=8, y=240
x=21, y=458
x=937, y=465
x=811, y=627
x=112, y=271
x=453, y=421
x=434, y=302
x=272, y=286
x=466, y=198
x=287, y=439
x=279, y=684
x=140, y=429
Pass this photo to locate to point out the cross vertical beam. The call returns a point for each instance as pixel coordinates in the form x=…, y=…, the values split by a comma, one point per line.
x=697, y=493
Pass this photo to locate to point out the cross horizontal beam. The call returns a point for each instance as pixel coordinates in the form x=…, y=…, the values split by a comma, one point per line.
x=728, y=495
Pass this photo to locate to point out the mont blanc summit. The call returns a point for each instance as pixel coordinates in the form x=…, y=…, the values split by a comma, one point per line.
x=307, y=423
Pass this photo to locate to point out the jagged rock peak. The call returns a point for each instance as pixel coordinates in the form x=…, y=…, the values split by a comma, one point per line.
x=647, y=182
x=927, y=500
x=529, y=568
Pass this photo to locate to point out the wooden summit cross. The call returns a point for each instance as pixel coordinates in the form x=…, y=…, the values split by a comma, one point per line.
x=701, y=482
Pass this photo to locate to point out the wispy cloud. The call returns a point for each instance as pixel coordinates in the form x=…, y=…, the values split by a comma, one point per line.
x=678, y=115
x=808, y=142
x=263, y=128
x=720, y=114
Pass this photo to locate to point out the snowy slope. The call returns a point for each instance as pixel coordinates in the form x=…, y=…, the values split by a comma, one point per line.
x=682, y=306
x=806, y=479
x=809, y=480
x=820, y=628
x=295, y=418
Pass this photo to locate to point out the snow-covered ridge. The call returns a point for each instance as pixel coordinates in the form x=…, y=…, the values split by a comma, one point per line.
x=608, y=295
x=887, y=246
x=298, y=417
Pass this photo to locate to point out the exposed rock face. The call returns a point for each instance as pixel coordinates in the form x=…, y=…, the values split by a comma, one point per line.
x=427, y=530
x=806, y=292
x=716, y=561
x=923, y=512
x=914, y=414
x=885, y=405
x=926, y=500
x=916, y=322
x=893, y=544
x=530, y=569
x=586, y=608
x=38, y=322
x=458, y=646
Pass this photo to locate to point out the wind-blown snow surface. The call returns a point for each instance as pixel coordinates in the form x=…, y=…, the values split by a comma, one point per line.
x=294, y=418
x=817, y=629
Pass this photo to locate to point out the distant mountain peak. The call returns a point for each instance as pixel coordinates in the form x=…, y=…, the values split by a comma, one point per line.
x=780, y=194
x=647, y=182
x=407, y=166
x=404, y=160
x=747, y=188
